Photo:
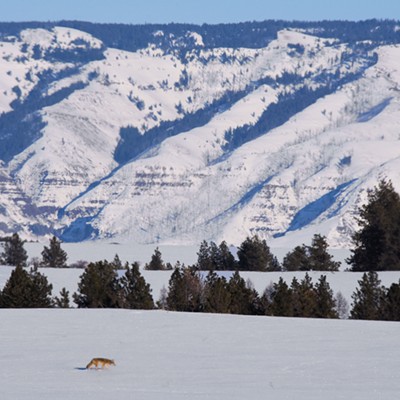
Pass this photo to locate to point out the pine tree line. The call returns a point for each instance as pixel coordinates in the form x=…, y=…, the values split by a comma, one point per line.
x=14, y=253
x=252, y=255
x=102, y=286
x=255, y=255
x=26, y=289
x=373, y=301
x=189, y=290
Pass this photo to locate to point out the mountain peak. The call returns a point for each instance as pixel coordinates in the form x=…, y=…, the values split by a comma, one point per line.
x=171, y=136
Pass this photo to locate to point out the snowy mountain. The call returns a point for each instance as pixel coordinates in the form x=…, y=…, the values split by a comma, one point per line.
x=187, y=133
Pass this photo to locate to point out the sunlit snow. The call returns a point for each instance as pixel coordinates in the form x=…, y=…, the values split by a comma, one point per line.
x=171, y=356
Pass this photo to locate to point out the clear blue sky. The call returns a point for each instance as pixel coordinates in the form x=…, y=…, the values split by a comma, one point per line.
x=196, y=11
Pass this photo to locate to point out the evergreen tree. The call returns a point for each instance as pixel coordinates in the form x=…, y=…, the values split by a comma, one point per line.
x=304, y=299
x=217, y=297
x=296, y=260
x=325, y=302
x=16, y=290
x=301, y=299
x=117, y=263
x=281, y=304
x=184, y=290
x=319, y=258
x=311, y=258
x=40, y=292
x=135, y=292
x=391, y=305
x=194, y=289
x=54, y=256
x=14, y=252
x=204, y=262
x=368, y=297
x=215, y=258
x=244, y=300
x=265, y=300
x=377, y=242
x=98, y=287
x=274, y=265
x=225, y=261
x=255, y=255
x=176, y=297
x=257, y=307
x=295, y=301
x=63, y=300
x=156, y=263
x=26, y=290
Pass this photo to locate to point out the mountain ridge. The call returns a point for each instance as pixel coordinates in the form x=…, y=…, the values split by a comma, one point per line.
x=178, y=142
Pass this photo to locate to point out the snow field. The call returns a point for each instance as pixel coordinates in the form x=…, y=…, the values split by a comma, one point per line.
x=164, y=355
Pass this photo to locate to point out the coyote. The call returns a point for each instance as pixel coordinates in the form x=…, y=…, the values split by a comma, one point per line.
x=104, y=362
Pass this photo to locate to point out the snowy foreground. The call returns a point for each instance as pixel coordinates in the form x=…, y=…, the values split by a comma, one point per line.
x=162, y=355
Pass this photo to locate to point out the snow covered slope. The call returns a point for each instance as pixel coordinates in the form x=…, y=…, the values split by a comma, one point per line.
x=178, y=142
x=171, y=356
